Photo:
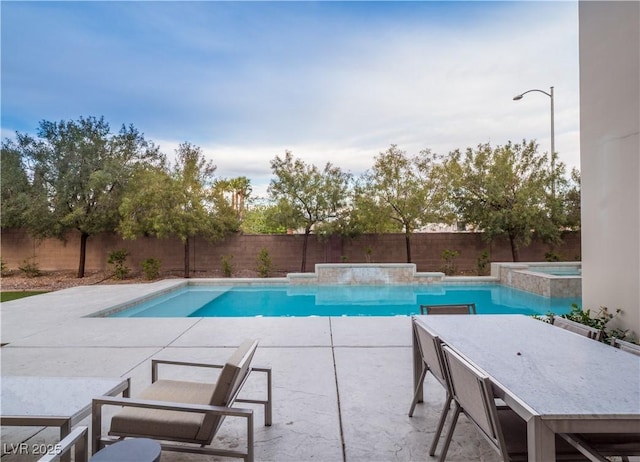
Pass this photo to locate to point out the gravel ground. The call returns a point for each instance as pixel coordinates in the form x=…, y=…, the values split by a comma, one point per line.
x=57, y=280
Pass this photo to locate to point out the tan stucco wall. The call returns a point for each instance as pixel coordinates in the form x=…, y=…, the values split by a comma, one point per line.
x=610, y=153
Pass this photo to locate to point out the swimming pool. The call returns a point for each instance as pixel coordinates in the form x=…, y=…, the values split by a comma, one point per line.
x=379, y=300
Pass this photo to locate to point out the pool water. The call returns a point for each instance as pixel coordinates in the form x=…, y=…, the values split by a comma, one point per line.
x=244, y=301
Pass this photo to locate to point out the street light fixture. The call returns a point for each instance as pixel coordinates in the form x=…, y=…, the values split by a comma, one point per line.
x=550, y=95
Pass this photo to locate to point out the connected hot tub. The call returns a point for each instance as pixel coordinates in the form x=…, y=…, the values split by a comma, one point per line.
x=557, y=279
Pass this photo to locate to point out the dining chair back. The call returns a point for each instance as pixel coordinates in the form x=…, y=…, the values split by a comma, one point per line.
x=578, y=328
x=430, y=350
x=462, y=308
x=629, y=347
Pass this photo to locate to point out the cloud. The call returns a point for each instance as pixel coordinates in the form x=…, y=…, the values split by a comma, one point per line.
x=331, y=81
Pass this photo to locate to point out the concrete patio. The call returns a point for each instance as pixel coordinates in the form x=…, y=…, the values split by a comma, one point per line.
x=342, y=386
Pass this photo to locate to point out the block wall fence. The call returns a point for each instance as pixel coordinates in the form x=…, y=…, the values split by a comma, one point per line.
x=285, y=251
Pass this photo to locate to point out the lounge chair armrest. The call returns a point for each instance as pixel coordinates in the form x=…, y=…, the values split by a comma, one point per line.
x=156, y=362
x=78, y=438
x=170, y=406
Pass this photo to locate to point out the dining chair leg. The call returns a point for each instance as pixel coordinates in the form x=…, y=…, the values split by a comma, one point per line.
x=417, y=393
x=452, y=427
x=443, y=418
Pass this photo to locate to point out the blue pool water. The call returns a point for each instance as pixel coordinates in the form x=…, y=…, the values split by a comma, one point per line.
x=217, y=301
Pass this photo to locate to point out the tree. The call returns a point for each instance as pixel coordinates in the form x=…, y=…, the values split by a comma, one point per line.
x=505, y=191
x=306, y=196
x=239, y=189
x=571, y=201
x=179, y=200
x=15, y=186
x=79, y=170
x=402, y=193
x=262, y=219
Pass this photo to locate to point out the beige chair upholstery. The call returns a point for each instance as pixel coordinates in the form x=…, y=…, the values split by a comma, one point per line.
x=187, y=412
x=429, y=346
x=473, y=395
x=463, y=308
x=577, y=328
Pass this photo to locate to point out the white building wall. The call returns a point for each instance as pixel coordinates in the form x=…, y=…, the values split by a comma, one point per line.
x=610, y=157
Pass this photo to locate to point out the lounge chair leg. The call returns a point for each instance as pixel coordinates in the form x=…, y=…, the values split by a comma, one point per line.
x=447, y=440
x=250, y=438
x=443, y=418
x=268, y=406
x=96, y=426
x=417, y=394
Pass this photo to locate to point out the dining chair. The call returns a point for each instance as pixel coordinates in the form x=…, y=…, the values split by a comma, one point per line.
x=429, y=347
x=576, y=327
x=629, y=347
x=473, y=396
x=461, y=308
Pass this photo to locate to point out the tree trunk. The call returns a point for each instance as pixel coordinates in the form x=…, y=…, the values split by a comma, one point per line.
x=407, y=239
x=515, y=251
x=303, y=267
x=83, y=253
x=186, y=258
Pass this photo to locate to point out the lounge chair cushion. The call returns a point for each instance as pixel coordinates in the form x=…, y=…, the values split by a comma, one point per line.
x=163, y=424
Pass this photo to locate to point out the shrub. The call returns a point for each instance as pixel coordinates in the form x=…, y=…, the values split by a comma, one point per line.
x=227, y=268
x=117, y=258
x=264, y=263
x=448, y=261
x=483, y=263
x=30, y=268
x=151, y=268
x=368, y=251
x=551, y=257
x=4, y=271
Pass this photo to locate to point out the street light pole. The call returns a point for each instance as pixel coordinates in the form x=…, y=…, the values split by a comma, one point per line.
x=553, y=136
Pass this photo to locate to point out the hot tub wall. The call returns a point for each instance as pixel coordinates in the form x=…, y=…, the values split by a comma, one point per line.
x=523, y=276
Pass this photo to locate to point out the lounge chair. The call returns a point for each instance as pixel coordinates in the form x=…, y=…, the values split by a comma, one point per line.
x=576, y=327
x=429, y=346
x=473, y=395
x=629, y=347
x=186, y=412
x=462, y=308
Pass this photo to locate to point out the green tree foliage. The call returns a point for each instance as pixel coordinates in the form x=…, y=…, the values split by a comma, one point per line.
x=401, y=193
x=262, y=219
x=306, y=196
x=79, y=171
x=505, y=191
x=570, y=197
x=180, y=200
x=14, y=186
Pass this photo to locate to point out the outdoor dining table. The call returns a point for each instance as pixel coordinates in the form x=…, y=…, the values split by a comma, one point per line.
x=53, y=401
x=556, y=380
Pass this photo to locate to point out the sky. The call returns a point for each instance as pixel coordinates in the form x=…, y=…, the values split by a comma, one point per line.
x=329, y=81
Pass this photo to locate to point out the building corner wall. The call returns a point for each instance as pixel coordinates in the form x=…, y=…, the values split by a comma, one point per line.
x=610, y=157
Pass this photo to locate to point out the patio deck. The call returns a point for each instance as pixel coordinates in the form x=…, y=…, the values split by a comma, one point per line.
x=342, y=386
